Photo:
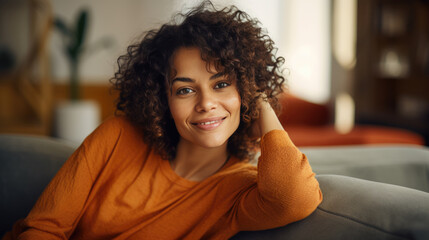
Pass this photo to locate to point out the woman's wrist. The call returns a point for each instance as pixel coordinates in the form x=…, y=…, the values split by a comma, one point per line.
x=268, y=120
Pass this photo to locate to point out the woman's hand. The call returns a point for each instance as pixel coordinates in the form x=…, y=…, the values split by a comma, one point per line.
x=267, y=120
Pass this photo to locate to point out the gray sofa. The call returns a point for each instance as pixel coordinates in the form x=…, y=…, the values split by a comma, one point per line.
x=369, y=192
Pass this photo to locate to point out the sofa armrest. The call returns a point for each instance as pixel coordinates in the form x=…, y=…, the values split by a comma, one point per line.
x=403, y=165
x=358, y=209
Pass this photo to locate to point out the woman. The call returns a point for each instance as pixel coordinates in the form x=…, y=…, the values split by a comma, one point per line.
x=196, y=96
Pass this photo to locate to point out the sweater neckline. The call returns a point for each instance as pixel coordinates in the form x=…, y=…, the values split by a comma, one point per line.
x=174, y=177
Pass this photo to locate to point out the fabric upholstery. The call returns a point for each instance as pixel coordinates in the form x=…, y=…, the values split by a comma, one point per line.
x=352, y=208
x=299, y=112
x=404, y=165
x=359, y=209
x=27, y=164
x=326, y=135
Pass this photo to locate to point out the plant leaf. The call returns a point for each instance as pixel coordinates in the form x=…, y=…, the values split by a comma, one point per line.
x=62, y=27
x=72, y=53
x=81, y=27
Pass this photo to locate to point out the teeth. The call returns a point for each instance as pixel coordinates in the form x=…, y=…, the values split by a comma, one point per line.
x=206, y=123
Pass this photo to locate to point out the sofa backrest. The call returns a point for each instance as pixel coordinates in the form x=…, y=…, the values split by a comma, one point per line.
x=27, y=164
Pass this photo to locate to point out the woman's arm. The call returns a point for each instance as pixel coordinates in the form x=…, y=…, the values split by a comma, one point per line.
x=286, y=189
x=267, y=121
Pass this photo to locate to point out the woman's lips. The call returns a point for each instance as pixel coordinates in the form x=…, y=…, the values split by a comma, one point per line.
x=209, y=123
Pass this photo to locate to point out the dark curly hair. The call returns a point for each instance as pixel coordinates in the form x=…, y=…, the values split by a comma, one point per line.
x=230, y=39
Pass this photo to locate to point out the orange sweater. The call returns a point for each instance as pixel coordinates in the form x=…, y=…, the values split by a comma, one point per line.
x=115, y=187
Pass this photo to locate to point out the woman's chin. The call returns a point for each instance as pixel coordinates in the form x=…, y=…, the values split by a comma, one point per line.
x=207, y=140
x=211, y=142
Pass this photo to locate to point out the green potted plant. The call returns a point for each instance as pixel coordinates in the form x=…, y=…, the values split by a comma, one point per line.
x=76, y=118
x=75, y=46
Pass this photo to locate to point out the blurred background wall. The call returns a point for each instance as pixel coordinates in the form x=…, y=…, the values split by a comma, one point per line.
x=300, y=29
x=368, y=51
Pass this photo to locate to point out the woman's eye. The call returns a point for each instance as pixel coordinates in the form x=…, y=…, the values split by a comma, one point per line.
x=184, y=91
x=222, y=85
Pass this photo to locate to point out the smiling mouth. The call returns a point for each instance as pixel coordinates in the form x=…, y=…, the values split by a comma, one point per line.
x=209, y=124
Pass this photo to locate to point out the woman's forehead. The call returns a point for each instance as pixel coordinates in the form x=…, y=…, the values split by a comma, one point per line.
x=186, y=58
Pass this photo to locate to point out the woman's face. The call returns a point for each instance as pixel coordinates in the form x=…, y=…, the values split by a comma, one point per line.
x=204, y=104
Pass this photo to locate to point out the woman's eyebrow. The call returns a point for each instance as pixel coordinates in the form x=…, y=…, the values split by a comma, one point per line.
x=217, y=75
x=182, y=79
x=185, y=79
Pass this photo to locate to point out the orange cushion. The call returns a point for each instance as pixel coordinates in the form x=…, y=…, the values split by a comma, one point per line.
x=297, y=111
x=326, y=135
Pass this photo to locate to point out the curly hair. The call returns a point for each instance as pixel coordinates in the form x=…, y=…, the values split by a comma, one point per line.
x=230, y=39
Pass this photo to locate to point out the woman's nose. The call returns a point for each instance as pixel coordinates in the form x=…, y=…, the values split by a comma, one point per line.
x=206, y=102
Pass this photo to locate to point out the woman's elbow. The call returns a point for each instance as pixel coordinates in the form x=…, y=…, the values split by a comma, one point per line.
x=300, y=207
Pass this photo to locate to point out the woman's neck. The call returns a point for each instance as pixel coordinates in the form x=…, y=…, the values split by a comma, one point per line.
x=196, y=163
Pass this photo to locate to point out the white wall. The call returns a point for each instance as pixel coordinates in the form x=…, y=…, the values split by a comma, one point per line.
x=123, y=21
x=306, y=35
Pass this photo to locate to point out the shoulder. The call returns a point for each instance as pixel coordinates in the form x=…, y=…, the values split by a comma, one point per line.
x=114, y=132
x=115, y=126
x=116, y=140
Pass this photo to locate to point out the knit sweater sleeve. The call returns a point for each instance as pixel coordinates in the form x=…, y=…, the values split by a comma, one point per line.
x=286, y=189
x=61, y=205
